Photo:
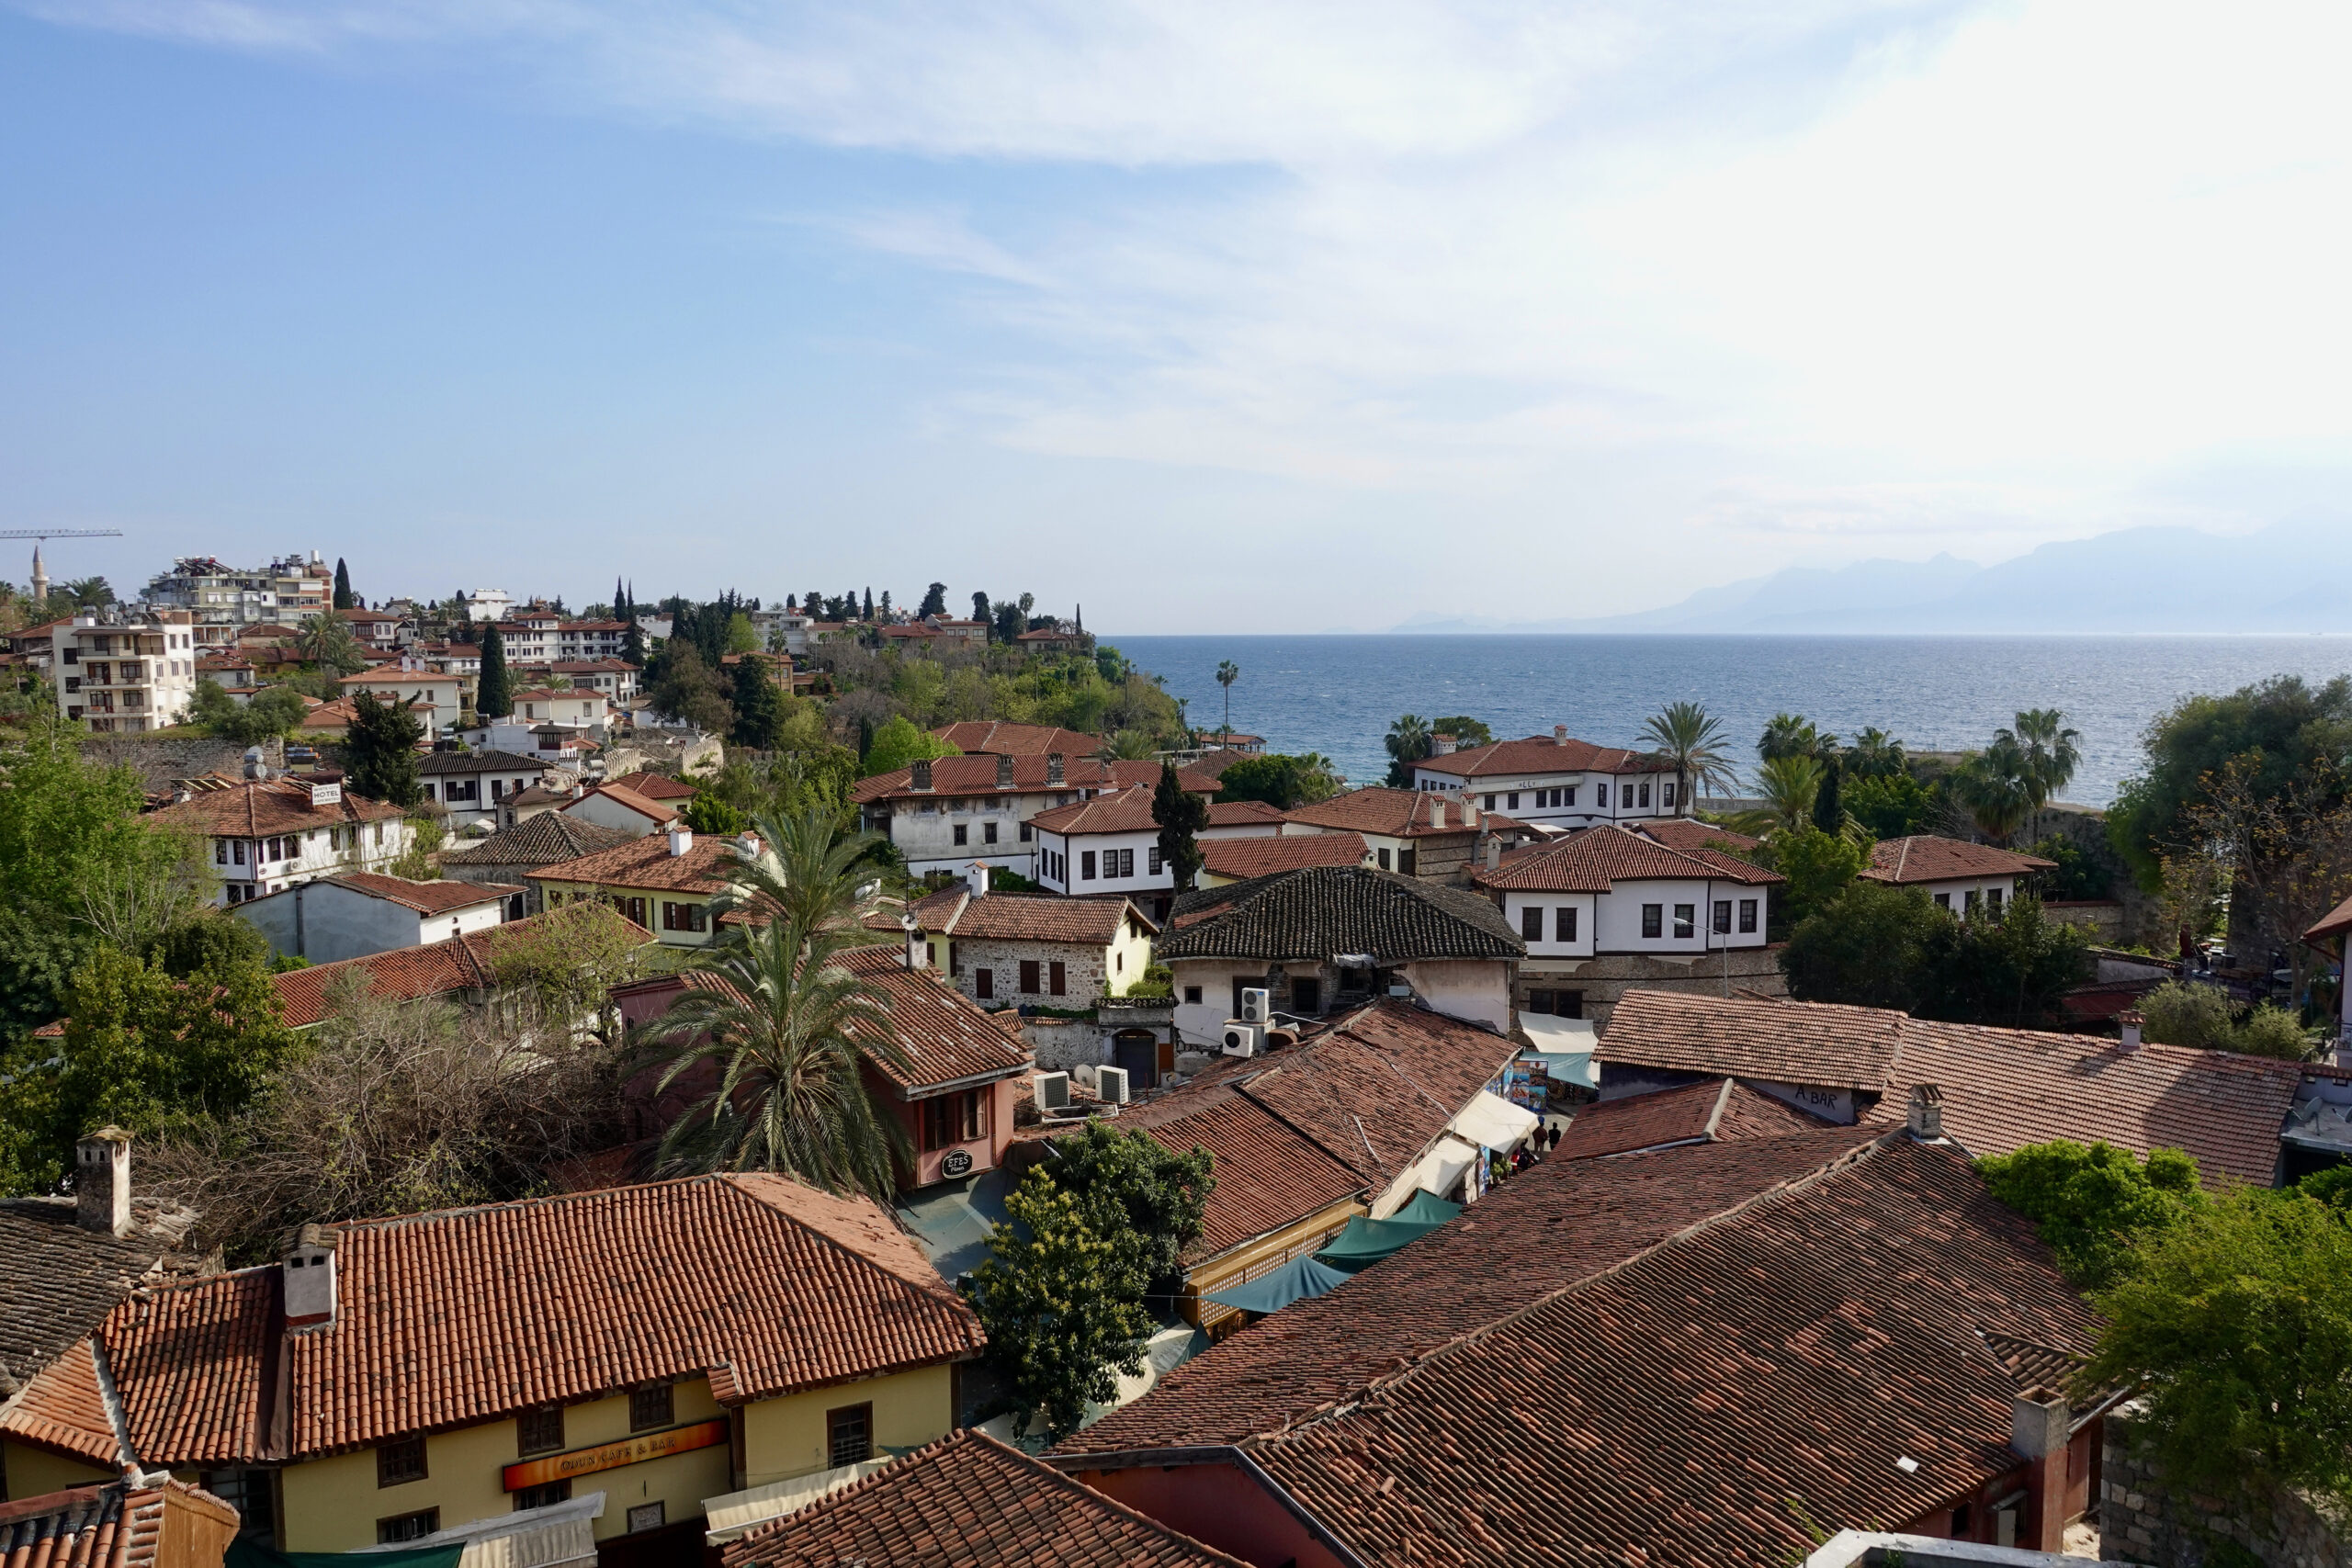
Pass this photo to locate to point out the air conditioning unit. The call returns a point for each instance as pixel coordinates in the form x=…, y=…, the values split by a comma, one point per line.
x=1257, y=1006
x=1110, y=1085
x=1242, y=1037
x=1053, y=1091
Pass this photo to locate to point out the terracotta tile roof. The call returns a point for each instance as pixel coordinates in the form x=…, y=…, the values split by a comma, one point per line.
x=1594, y=860
x=1689, y=834
x=254, y=808
x=1243, y=859
x=1923, y=857
x=1670, y=1411
x=424, y=897
x=966, y=1500
x=1322, y=910
x=647, y=865
x=465, y=1315
x=1712, y=1111
x=1269, y=1173
x=482, y=762
x=121, y=1524
x=1393, y=813
x=1129, y=811
x=1017, y=917
x=655, y=811
x=1542, y=755
x=977, y=776
x=994, y=738
x=544, y=840
x=62, y=1408
x=2334, y=921
x=433, y=969
x=2003, y=1088
x=1211, y=764
x=1553, y=1226
x=654, y=786
x=57, y=1281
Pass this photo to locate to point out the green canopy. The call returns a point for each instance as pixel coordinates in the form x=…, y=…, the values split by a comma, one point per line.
x=246, y=1553
x=1295, y=1280
x=1366, y=1242
x=1426, y=1208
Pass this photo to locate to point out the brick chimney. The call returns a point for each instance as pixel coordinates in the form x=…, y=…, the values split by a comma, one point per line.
x=309, y=1271
x=1004, y=772
x=102, y=1181
x=921, y=775
x=2037, y=1423
x=1053, y=769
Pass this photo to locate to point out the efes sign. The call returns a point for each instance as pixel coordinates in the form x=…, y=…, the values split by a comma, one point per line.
x=612, y=1456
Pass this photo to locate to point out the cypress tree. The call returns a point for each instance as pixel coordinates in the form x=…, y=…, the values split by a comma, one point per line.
x=492, y=697
x=758, y=705
x=380, y=747
x=869, y=603
x=343, y=600
x=1828, y=810
x=633, y=644
x=1180, y=815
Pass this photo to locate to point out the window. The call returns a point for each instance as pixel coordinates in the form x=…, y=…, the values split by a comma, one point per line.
x=1305, y=994
x=498, y=789
x=1747, y=916
x=1652, y=920
x=1722, y=917
x=645, y=1516
x=1686, y=920
x=1490, y=802
x=1057, y=977
x=650, y=1408
x=543, y=1496
x=1028, y=977
x=1569, y=795
x=954, y=958
x=220, y=852
x=1665, y=795
x=952, y=1119
x=1645, y=792
x=678, y=916
x=1151, y=862
x=988, y=832
x=984, y=983
x=538, y=1432
x=1563, y=923
x=849, y=1434
x=961, y=833
x=398, y=1463
x=1601, y=794
x=1531, y=923
x=408, y=1526
x=1972, y=897
x=1510, y=802
x=1993, y=900
x=634, y=909
x=1943, y=900
x=1384, y=860
x=1024, y=833
x=1556, y=1004
x=1405, y=861
x=1085, y=865
x=1192, y=996
x=1127, y=862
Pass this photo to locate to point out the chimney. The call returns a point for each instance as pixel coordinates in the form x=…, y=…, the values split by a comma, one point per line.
x=922, y=776
x=2037, y=1423
x=2130, y=1022
x=1054, y=768
x=918, y=951
x=1926, y=1117
x=1470, y=816
x=310, y=1278
x=1441, y=745
x=102, y=1181
x=1494, y=852
x=1559, y=735
x=682, y=839
x=979, y=878
x=1004, y=772
x=1437, y=810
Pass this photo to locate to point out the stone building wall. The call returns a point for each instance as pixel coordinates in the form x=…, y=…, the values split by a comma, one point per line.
x=1753, y=971
x=161, y=759
x=1082, y=973
x=2142, y=1519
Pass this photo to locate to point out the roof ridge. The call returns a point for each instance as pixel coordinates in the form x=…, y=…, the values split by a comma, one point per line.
x=1849, y=1158
x=733, y=1181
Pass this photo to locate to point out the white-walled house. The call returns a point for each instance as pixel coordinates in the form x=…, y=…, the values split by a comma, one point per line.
x=615, y=805
x=583, y=708
x=270, y=833
x=354, y=914
x=472, y=786
x=1608, y=907
x=439, y=696
x=1955, y=874
x=942, y=814
x=1554, y=781
x=1001, y=948
x=1110, y=844
x=1431, y=834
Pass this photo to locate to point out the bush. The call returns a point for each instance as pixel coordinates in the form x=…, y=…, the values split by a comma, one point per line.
x=2093, y=1204
x=1862, y=947
x=2009, y=972
x=2188, y=1014
x=706, y=813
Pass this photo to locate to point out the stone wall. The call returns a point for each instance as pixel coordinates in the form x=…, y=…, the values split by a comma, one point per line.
x=1063, y=1043
x=2143, y=1520
x=1754, y=970
x=161, y=759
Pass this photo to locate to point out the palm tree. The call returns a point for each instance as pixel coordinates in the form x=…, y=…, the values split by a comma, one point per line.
x=327, y=641
x=805, y=871
x=1793, y=735
x=1407, y=742
x=1875, y=754
x=2050, y=751
x=1228, y=673
x=1788, y=785
x=1995, y=787
x=1692, y=743
x=1128, y=746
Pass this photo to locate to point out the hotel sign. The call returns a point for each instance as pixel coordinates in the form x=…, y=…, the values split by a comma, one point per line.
x=612, y=1456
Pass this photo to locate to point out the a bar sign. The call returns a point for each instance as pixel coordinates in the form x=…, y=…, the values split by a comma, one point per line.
x=612, y=1456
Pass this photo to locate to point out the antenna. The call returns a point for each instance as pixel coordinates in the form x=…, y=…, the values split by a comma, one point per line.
x=48, y=534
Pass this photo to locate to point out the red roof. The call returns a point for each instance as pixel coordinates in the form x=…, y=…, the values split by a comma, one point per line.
x=964, y=1501
x=2335, y=920
x=647, y=865
x=1016, y=917
x=654, y=810
x=654, y=787
x=1397, y=813
x=977, y=776
x=1923, y=857
x=1698, y=1112
x=465, y=1315
x=1689, y=834
x=1542, y=755
x=61, y=1408
x=121, y=1524
x=997, y=737
x=424, y=897
x=1595, y=859
x=1130, y=812
x=433, y=969
x=1242, y=859
x=254, y=808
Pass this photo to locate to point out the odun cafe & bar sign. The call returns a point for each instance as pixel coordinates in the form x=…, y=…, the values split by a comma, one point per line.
x=612, y=1456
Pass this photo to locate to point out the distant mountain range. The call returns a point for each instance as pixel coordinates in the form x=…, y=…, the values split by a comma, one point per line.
x=2290, y=577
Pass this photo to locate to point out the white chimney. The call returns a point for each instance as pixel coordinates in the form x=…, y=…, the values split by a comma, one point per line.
x=102, y=1181
x=1441, y=745
x=309, y=1271
x=2130, y=1022
x=1559, y=735
x=1470, y=814
x=979, y=878
x=682, y=839
x=1927, y=1113
x=1494, y=852
x=1437, y=811
x=918, y=950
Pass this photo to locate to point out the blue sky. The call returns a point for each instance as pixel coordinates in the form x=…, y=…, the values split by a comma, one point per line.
x=1261, y=317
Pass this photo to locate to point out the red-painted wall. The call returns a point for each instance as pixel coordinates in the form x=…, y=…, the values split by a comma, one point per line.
x=1220, y=1505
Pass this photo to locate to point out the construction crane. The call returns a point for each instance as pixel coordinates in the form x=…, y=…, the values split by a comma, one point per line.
x=43, y=537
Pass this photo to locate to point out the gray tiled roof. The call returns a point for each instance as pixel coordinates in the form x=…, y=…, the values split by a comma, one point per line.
x=544, y=840
x=57, y=1281
x=1328, y=909
x=477, y=763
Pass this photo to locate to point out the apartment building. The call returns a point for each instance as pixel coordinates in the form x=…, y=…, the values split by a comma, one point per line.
x=127, y=675
x=221, y=600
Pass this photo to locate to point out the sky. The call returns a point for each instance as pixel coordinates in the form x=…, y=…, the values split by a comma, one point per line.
x=1270, y=316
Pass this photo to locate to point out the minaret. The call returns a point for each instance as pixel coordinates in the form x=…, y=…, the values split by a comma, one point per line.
x=40, y=575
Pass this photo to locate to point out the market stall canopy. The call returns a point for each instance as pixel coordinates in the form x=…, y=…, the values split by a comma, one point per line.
x=1564, y=1047
x=1365, y=1242
x=1439, y=1171
x=1295, y=1280
x=1494, y=1122
x=1427, y=1208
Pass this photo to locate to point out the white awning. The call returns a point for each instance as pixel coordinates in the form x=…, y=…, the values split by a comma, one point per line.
x=1493, y=1122
x=552, y=1537
x=739, y=1512
x=1438, y=1171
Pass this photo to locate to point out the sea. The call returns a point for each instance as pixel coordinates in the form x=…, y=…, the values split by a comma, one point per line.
x=1339, y=694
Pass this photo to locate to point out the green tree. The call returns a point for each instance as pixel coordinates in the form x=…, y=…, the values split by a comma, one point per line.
x=1891, y=806
x=1687, y=739
x=2093, y=1204
x=1181, y=815
x=1057, y=1299
x=1793, y=735
x=380, y=748
x=1996, y=787
x=327, y=641
x=1466, y=731
x=88, y=592
x=687, y=690
x=1138, y=1193
x=1789, y=784
x=981, y=611
x=493, y=691
x=1875, y=754
x=1282, y=782
x=2188, y=1014
x=2051, y=753
x=206, y=939
x=633, y=644
x=706, y=813
x=758, y=702
x=741, y=636
x=2078, y=875
x=1862, y=947
x=1228, y=673
x=142, y=1050
x=808, y=871
x=1128, y=746
x=343, y=599
x=2236, y=1329
x=2008, y=969
x=899, y=742
x=1408, y=742
x=270, y=712
x=1828, y=807
x=934, y=602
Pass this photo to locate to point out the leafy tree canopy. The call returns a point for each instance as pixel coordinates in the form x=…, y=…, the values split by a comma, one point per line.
x=934, y=602
x=1891, y=806
x=1862, y=947
x=1818, y=865
x=2008, y=971
x=706, y=813
x=1137, y=1188
x=1466, y=731
x=899, y=742
x=1283, y=781
x=380, y=749
x=270, y=712
x=2188, y=1014
x=688, y=689
x=2093, y=1203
